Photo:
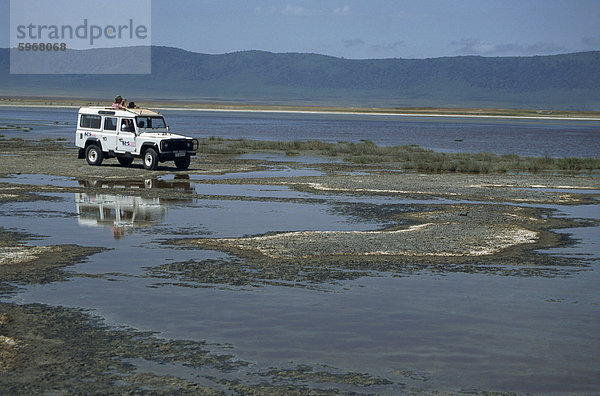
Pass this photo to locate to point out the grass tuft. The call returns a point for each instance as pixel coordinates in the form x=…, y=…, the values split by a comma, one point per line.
x=408, y=157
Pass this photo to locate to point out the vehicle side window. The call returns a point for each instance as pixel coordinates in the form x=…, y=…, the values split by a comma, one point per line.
x=90, y=121
x=127, y=125
x=110, y=124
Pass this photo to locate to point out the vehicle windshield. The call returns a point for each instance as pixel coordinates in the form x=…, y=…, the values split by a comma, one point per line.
x=150, y=122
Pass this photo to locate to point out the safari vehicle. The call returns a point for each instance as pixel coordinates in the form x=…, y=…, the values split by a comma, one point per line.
x=103, y=132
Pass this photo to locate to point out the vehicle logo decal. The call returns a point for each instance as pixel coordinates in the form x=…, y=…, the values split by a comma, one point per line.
x=126, y=143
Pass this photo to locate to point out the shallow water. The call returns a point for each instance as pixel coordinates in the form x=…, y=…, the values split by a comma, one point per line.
x=303, y=159
x=517, y=334
x=588, y=239
x=430, y=331
x=557, y=138
x=41, y=180
x=282, y=171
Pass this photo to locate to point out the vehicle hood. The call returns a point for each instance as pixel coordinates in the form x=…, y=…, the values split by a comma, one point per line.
x=161, y=135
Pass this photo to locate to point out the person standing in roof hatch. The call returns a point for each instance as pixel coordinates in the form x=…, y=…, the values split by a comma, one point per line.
x=118, y=103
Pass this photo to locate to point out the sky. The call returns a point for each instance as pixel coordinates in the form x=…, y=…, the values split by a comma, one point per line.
x=365, y=29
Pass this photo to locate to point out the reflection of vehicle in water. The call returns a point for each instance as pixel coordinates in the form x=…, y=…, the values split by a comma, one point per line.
x=123, y=212
x=120, y=212
x=179, y=183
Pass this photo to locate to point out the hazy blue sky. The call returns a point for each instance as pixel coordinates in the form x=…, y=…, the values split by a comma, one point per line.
x=374, y=28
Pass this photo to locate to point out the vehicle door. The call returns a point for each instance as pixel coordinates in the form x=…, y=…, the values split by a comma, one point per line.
x=90, y=127
x=109, y=133
x=126, y=138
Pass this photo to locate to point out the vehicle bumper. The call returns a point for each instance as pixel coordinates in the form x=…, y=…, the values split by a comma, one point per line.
x=171, y=155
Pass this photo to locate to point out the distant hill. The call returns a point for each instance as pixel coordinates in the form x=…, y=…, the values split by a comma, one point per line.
x=569, y=82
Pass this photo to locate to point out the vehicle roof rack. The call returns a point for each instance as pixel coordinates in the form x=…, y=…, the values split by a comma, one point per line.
x=138, y=111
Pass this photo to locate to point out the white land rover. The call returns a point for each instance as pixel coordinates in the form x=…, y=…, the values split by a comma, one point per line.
x=103, y=132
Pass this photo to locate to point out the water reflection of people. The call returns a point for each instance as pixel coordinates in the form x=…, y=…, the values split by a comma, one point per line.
x=118, y=232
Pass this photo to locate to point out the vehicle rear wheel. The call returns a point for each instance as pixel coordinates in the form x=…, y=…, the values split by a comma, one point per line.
x=182, y=162
x=93, y=155
x=125, y=161
x=150, y=159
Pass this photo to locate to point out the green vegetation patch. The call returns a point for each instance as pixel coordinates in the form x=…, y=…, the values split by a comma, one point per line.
x=407, y=157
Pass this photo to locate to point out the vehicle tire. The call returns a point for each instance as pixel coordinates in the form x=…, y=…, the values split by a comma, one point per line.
x=150, y=159
x=93, y=155
x=125, y=161
x=182, y=162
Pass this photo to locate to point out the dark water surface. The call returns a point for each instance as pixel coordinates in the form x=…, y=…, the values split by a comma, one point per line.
x=436, y=332
x=452, y=332
x=556, y=138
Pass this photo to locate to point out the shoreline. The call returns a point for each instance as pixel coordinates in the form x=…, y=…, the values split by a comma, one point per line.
x=441, y=113
x=434, y=115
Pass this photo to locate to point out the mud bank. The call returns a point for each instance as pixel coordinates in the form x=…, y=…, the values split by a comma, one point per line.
x=485, y=239
x=22, y=264
x=494, y=224
x=60, y=350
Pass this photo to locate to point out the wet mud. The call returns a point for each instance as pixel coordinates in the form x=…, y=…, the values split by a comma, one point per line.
x=485, y=224
x=485, y=239
x=22, y=264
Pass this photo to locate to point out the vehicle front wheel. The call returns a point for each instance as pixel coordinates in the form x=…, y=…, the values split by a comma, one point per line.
x=150, y=159
x=125, y=161
x=93, y=155
x=182, y=162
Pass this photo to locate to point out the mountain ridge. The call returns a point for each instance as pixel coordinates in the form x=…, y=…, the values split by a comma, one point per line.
x=566, y=81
